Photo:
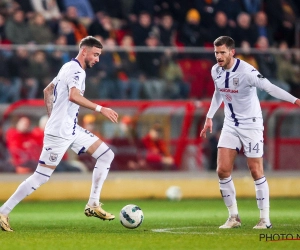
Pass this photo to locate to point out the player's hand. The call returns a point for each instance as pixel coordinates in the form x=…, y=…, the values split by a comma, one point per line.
x=207, y=126
x=110, y=114
x=297, y=102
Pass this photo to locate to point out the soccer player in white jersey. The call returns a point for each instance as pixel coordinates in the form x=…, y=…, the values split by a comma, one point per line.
x=63, y=98
x=235, y=85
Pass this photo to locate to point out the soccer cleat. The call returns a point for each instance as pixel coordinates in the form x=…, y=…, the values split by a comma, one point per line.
x=4, y=223
x=262, y=224
x=232, y=222
x=98, y=212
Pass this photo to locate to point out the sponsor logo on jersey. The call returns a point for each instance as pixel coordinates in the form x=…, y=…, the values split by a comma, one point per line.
x=53, y=157
x=236, y=82
x=233, y=91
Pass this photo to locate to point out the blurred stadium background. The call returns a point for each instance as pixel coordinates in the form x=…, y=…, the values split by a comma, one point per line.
x=155, y=72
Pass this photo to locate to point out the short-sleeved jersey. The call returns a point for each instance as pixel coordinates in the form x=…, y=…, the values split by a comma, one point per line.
x=236, y=87
x=64, y=116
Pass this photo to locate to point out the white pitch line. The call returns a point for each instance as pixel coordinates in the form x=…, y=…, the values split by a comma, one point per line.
x=172, y=231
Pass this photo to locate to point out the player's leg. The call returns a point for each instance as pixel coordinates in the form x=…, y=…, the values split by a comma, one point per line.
x=49, y=159
x=228, y=147
x=262, y=192
x=91, y=144
x=225, y=163
x=253, y=148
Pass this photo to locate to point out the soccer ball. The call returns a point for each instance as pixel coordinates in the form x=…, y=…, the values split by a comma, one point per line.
x=174, y=193
x=131, y=216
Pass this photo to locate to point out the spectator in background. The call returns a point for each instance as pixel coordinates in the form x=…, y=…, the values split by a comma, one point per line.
x=39, y=71
x=142, y=29
x=252, y=6
x=262, y=27
x=244, y=30
x=158, y=156
x=207, y=10
x=84, y=10
x=220, y=26
x=40, y=33
x=105, y=71
x=16, y=29
x=79, y=29
x=167, y=30
x=232, y=9
x=8, y=91
x=288, y=70
x=193, y=34
x=24, y=5
x=246, y=55
x=66, y=29
x=102, y=26
x=282, y=16
x=141, y=6
x=172, y=74
x=22, y=146
x=2, y=30
x=149, y=63
x=18, y=71
x=267, y=66
x=47, y=8
x=128, y=70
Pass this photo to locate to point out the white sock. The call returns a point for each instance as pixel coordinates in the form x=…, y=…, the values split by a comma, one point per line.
x=39, y=177
x=262, y=198
x=227, y=190
x=104, y=156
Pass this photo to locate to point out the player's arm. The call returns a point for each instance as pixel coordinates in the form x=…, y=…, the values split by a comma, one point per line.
x=76, y=97
x=263, y=83
x=48, y=98
x=215, y=104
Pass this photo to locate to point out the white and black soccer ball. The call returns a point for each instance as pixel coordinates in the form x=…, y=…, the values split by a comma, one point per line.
x=131, y=216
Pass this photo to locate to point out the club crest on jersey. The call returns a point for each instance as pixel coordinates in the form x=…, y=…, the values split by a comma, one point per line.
x=53, y=157
x=76, y=78
x=235, y=82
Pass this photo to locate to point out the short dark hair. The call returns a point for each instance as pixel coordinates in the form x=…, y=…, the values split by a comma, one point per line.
x=225, y=40
x=90, y=41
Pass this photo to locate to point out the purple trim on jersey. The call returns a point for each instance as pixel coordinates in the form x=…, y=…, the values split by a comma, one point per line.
x=227, y=80
x=42, y=162
x=103, y=153
x=237, y=150
x=233, y=115
x=236, y=65
x=225, y=182
x=42, y=174
x=81, y=151
x=75, y=60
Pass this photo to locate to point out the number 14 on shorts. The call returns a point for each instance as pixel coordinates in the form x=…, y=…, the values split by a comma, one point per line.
x=253, y=148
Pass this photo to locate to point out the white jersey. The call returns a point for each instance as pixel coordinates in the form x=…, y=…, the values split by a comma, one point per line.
x=236, y=87
x=64, y=115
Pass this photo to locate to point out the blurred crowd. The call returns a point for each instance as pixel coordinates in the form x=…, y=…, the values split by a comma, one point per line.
x=124, y=73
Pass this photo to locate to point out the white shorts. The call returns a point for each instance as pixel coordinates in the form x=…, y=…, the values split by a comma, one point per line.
x=55, y=147
x=251, y=139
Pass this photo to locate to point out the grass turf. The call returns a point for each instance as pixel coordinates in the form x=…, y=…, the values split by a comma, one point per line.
x=188, y=224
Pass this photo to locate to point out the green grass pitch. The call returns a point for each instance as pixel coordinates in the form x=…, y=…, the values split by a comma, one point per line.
x=187, y=224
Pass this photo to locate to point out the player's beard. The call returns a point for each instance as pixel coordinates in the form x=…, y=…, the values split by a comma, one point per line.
x=88, y=64
x=226, y=62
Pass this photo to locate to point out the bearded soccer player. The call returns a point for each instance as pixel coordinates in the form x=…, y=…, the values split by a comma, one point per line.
x=63, y=98
x=235, y=85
